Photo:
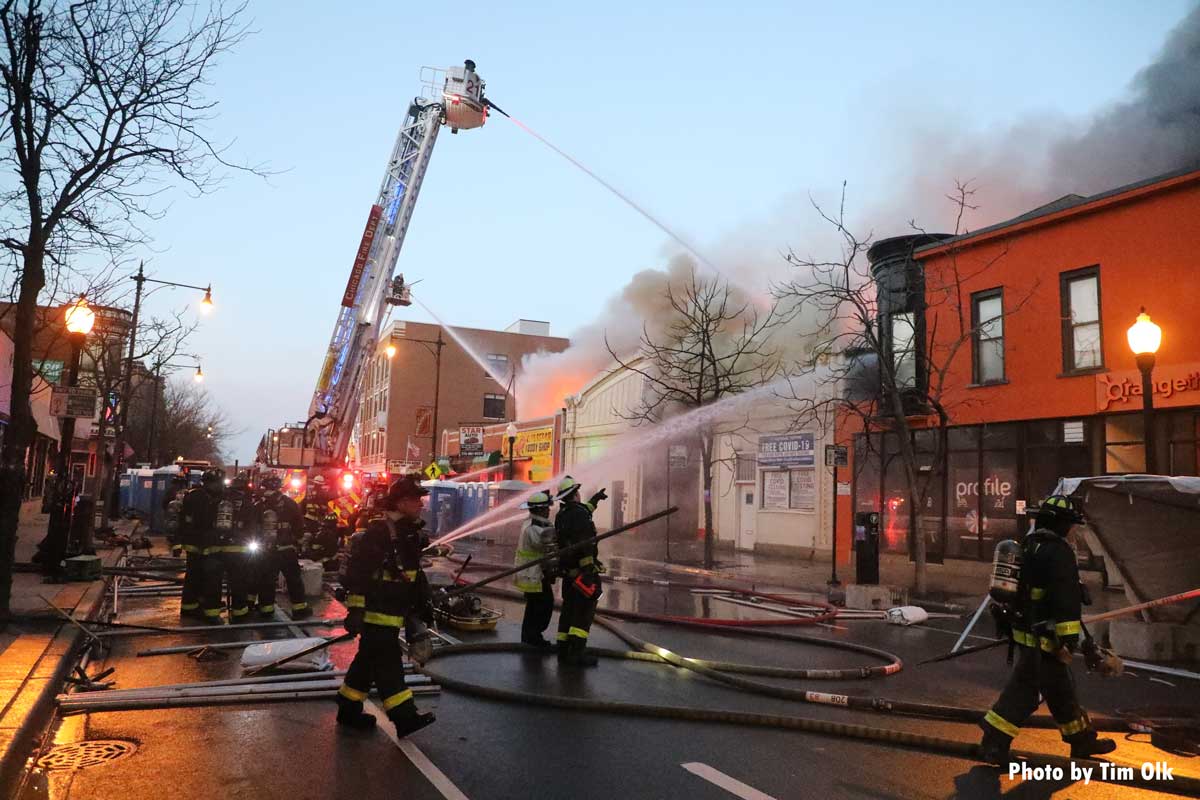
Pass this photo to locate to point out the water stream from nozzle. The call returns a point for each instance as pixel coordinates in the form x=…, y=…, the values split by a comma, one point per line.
x=684, y=243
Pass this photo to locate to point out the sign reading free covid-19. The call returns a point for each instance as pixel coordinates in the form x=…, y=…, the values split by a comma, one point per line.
x=786, y=450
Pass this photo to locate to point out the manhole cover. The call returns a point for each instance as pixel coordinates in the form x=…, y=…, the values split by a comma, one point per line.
x=82, y=755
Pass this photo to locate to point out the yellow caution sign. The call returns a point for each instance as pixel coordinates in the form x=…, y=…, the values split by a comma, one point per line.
x=433, y=471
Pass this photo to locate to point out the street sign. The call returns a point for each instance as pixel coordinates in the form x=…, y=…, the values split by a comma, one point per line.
x=470, y=440
x=678, y=456
x=434, y=471
x=837, y=455
x=73, y=401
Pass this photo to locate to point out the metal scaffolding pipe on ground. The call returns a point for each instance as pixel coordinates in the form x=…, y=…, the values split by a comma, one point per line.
x=137, y=704
x=326, y=681
x=246, y=626
x=189, y=648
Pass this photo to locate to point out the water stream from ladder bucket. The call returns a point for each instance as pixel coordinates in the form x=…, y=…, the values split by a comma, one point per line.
x=684, y=243
x=471, y=351
x=630, y=445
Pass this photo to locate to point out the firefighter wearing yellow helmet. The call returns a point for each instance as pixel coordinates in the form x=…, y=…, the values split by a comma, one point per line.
x=581, y=570
x=536, y=582
x=1044, y=620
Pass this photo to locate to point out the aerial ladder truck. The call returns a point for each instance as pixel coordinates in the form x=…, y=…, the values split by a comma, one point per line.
x=371, y=288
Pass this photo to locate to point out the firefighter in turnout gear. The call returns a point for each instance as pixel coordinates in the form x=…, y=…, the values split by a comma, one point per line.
x=386, y=592
x=197, y=535
x=1043, y=620
x=279, y=526
x=581, y=570
x=228, y=560
x=316, y=503
x=537, y=582
x=172, y=505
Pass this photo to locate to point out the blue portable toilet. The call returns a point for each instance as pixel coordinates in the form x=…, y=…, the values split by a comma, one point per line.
x=470, y=501
x=445, y=506
x=136, y=487
x=161, y=485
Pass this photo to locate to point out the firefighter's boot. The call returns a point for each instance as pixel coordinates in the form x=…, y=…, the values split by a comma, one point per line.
x=1087, y=744
x=994, y=747
x=408, y=720
x=302, y=613
x=351, y=715
x=577, y=654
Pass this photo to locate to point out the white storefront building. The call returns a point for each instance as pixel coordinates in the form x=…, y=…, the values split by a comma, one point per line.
x=772, y=492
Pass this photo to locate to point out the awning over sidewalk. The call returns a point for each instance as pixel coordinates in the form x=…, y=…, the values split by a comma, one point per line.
x=39, y=403
x=1148, y=529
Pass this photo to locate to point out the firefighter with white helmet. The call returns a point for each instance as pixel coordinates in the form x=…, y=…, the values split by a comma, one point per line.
x=581, y=570
x=1039, y=603
x=536, y=582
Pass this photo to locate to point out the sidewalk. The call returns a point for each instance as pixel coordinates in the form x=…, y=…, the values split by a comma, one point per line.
x=960, y=582
x=38, y=648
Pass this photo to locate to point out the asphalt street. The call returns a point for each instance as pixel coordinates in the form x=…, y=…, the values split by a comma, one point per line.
x=488, y=750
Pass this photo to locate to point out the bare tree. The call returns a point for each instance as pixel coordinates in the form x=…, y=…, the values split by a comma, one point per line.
x=158, y=341
x=190, y=425
x=886, y=349
x=713, y=346
x=104, y=108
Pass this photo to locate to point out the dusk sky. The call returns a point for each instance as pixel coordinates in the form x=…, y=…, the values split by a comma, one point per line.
x=716, y=116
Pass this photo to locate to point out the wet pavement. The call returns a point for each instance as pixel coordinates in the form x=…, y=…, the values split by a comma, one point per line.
x=484, y=749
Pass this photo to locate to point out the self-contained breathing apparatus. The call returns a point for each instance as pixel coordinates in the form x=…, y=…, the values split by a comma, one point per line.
x=1012, y=597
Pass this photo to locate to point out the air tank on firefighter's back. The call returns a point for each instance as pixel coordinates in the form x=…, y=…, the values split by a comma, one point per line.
x=1006, y=572
x=462, y=97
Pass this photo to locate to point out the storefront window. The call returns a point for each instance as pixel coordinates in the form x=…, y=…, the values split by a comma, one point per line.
x=866, y=473
x=1124, y=448
x=896, y=507
x=962, y=528
x=1185, y=443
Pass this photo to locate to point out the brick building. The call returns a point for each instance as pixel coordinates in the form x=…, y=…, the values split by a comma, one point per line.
x=421, y=380
x=1048, y=386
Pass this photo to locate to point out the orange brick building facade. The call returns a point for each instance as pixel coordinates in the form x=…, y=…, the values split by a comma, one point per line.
x=1048, y=387
x=397, y=424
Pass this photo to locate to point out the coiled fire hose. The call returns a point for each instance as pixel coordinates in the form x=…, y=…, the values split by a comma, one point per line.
x=726, y=673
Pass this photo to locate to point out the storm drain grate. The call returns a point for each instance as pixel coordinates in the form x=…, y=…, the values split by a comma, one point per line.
x=82, y=755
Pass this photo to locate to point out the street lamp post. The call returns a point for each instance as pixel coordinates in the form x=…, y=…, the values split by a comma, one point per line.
x=511, y=433
x=126, y=387
x=1144, y=339
x=434, y=346
x=79, y=319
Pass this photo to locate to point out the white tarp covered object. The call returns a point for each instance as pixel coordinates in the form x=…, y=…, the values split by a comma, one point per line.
x=1148, y=531
x=257, y=655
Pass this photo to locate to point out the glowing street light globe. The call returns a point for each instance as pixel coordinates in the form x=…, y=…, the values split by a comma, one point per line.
x=1144, y=336
x=390, y=350
x=206, y=305
x=79, y=317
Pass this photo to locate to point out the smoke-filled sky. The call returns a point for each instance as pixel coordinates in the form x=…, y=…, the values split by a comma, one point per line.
x=720, y=119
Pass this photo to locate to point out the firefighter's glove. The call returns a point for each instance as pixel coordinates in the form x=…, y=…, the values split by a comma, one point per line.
x=588, y=586
x=354, y=621
x=600, y=568
x=420, y=642
x=1085, y=594
x=1063, y=655
x=1098, y=659
x=597, y=497
x=551, y=569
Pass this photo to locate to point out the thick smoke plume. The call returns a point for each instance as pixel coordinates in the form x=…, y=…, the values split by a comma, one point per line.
x=1155, y=130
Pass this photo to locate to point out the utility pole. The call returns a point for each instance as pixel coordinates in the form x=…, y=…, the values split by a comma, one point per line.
x=437, y=388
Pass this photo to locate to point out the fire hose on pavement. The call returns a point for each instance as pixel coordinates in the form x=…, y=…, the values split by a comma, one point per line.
x=727, y=674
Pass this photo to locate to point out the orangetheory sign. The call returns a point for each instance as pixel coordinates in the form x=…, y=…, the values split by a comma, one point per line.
x=1177, y=385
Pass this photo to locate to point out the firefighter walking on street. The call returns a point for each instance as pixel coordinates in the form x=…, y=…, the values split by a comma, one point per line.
x=197, y=536
x=227, y=563
x=278, y=530
x=536, y=582
x=1041, y=610
x=386, y=592
x=581, y=570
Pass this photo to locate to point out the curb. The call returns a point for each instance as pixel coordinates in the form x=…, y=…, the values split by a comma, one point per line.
x=65, y=646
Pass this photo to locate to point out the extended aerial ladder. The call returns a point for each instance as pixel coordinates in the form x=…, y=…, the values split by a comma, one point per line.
x=371, y=287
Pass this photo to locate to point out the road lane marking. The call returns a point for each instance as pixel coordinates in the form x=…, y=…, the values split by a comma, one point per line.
x=419, y=760
x=729, y=784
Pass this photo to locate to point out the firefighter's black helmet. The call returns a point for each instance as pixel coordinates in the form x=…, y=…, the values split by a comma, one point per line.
x=1058, y=512
x=401, y=489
